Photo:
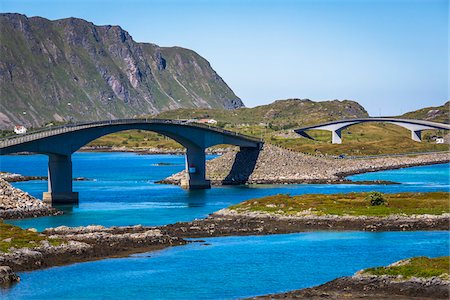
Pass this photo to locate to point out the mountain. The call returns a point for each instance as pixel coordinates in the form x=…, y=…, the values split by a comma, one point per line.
x=284, y=113
x=71, y=69
x=432, y=113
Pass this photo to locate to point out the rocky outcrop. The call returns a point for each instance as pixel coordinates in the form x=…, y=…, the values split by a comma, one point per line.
x=372, y=287
x=87, y=243
x=96, y=72
x=228, y=222
x=7, y=276
x=17, y=204
x=275, y=165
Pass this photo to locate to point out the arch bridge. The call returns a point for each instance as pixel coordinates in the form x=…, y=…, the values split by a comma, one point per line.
x=336, y=127
x=58, y=143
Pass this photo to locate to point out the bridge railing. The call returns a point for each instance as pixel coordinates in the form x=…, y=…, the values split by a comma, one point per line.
x=55, y=130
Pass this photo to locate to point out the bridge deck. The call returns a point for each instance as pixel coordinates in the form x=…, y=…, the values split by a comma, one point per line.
x=55, y=130
x=380, y=119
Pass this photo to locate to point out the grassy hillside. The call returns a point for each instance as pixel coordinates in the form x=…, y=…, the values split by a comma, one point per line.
x=362, y=139
x=280, y=114
x=274, y=123
x=434, y=113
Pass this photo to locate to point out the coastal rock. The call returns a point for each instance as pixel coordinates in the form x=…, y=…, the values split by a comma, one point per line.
x=371, y=287
x=7, y=276
x=87, y=243
x=17, y=204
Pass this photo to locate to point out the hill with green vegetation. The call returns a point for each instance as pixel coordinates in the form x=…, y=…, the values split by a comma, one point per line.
x=280, y=114
x=275, y=123
x=433, y=113
x=72, y=70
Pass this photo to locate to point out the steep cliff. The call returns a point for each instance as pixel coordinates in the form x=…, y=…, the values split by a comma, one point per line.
x=71, y=69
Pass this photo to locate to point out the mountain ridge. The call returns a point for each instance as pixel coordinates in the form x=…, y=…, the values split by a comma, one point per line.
x=72, y=70
x=431, y=113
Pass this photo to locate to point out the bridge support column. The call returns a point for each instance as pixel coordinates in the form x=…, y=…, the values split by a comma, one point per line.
x=60, y=180
x=416, y=135
x=195, y=169
x=336, y=136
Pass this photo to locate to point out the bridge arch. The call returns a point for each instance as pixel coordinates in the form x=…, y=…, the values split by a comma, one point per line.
x=336, y=127
x=60, y=142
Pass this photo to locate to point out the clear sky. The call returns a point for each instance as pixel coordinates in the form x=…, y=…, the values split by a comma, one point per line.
x=392, y=56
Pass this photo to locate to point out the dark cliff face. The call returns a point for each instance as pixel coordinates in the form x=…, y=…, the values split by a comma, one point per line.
x=70, y=69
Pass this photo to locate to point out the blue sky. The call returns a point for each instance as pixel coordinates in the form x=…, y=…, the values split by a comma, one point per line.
x=391, y=56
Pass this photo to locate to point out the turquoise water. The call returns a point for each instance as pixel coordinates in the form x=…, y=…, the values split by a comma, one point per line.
x=231, y=267
x=122, y=190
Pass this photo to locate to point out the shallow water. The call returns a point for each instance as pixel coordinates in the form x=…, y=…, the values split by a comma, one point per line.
x=122, y=190
x=230, y=267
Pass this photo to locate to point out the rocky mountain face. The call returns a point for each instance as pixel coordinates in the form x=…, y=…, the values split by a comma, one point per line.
x=72, y=70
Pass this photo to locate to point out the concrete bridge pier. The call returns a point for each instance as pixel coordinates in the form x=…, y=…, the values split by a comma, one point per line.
x=60, y=180
x=336, y=136
x=195, y=169
x=416, y=135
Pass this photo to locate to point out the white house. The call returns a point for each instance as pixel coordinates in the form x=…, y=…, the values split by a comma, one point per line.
x=207, y=121
x=18, y=129
x=439, y=140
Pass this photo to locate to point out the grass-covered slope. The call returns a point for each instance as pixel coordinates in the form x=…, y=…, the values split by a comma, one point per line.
x=434, y=113
x=419, y=267
x=280, y=114
x=352, y=204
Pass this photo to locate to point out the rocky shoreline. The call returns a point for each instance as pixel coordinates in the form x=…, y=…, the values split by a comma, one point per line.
x=228, y=222
x=96, y=242
x=87, y=243
x=17, y=204
x=371, y=287
x=275, y=165
x=7, y=276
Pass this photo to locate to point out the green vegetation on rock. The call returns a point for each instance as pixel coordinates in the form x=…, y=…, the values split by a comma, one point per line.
x=423, y=267
x=13, y=236
x=351, y=204
x=376, y=199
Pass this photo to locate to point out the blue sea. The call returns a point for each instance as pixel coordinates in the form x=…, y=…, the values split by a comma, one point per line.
x=122, y=191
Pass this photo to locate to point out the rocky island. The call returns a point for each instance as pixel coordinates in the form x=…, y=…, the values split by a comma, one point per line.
x=415, y=278
x=17, y=204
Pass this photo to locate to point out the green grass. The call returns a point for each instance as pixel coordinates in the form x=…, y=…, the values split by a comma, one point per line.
x=352, y=204
x=416, y=267
x=136, y=139
x=21, y=238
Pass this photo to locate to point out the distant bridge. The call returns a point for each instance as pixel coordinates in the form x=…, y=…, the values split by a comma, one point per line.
x=336, y=127
x=60, y=142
